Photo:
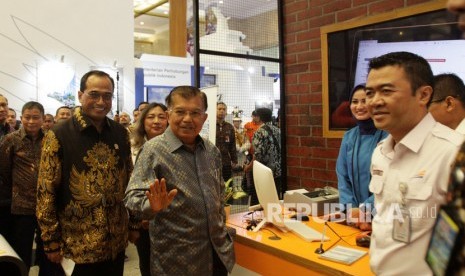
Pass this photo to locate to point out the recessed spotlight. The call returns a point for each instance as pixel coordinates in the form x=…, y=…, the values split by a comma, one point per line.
x=221, y=2
x=141, y=23
x=165, y=12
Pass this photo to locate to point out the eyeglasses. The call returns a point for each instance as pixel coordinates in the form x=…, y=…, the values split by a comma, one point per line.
x=443, y=99
x=96, y=96
x=183, y=113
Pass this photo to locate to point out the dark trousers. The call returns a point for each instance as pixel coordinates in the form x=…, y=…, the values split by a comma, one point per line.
x=143, y=250
x=6, y=222
x=23, y=227
x=46, y=267
x=227, y=172
x=218, y=267
x=106, y=268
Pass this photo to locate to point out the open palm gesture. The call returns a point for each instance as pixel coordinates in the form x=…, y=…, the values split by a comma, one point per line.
x=158, y=197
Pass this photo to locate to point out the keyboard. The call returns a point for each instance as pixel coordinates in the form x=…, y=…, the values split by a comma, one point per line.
x=304, y=231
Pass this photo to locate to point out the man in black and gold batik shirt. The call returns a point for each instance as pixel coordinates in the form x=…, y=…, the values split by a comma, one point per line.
x=84, y=171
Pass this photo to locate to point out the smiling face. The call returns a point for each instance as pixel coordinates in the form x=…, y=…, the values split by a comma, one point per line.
x=96, y=99
x=186, y=118
x=358, y=105
x=32, y=120
x=155, y=122
x=391, y=102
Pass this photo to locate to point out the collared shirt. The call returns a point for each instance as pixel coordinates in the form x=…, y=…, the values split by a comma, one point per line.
x=422, y=162
x=268, y=147
x=226, y=142
x=461, y=127
x=82, y=178
x=4, y=130
x=184, y=235
x=19, y=167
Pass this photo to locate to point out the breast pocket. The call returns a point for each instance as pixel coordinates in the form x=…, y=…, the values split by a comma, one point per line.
x=376, y=184
x=418, y=189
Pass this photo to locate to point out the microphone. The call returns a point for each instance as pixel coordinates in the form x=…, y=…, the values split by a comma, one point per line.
x=274, y=237
x=320, y=249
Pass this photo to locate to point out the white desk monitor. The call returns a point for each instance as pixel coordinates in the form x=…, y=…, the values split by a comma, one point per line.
x=273, y=209
x=267, y=195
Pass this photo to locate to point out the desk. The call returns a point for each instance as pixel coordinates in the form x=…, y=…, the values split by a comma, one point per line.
x=292, y=255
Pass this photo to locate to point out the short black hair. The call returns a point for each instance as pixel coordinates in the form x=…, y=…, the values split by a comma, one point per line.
x=448, y=84
x=141, y=103
x=265, y=114
x=31, y=105
x=61, y=107
x=417, y=69
x=83, y=85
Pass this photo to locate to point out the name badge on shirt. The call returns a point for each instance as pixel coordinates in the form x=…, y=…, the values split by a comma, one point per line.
x=402, y=226
x=226, y=139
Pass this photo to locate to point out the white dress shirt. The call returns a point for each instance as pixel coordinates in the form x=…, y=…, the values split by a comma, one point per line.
x=461, y=127
x=422, y=161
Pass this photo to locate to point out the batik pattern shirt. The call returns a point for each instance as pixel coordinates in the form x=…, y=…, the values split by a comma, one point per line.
x=19, y=167
x=184, y=235
x=268, y=149
x=82, y=178
x=4, y=130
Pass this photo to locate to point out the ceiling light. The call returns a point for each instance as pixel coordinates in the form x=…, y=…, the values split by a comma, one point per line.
x=141, y=23
x=165, y=12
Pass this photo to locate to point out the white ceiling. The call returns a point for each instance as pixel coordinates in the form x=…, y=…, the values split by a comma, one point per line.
x=156, y=20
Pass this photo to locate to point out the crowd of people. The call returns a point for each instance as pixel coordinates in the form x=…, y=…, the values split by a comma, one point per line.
x=403, y=161
x=84, y=184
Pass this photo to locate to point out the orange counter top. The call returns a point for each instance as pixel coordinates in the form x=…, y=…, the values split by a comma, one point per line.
x=292, y=255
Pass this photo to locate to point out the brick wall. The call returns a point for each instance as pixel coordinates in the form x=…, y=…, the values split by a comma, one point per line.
x=311, y=159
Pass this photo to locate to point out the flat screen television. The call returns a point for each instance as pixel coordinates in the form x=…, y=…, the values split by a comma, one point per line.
x=444, y=56
x=346, y=52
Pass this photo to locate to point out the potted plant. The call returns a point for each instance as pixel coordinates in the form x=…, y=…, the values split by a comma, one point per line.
x=228, y=193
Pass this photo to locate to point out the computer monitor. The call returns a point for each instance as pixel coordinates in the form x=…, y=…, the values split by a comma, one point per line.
x=267, y=195
x=273, y=209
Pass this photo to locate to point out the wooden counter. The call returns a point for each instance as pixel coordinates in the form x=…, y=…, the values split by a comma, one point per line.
x=292, y=255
